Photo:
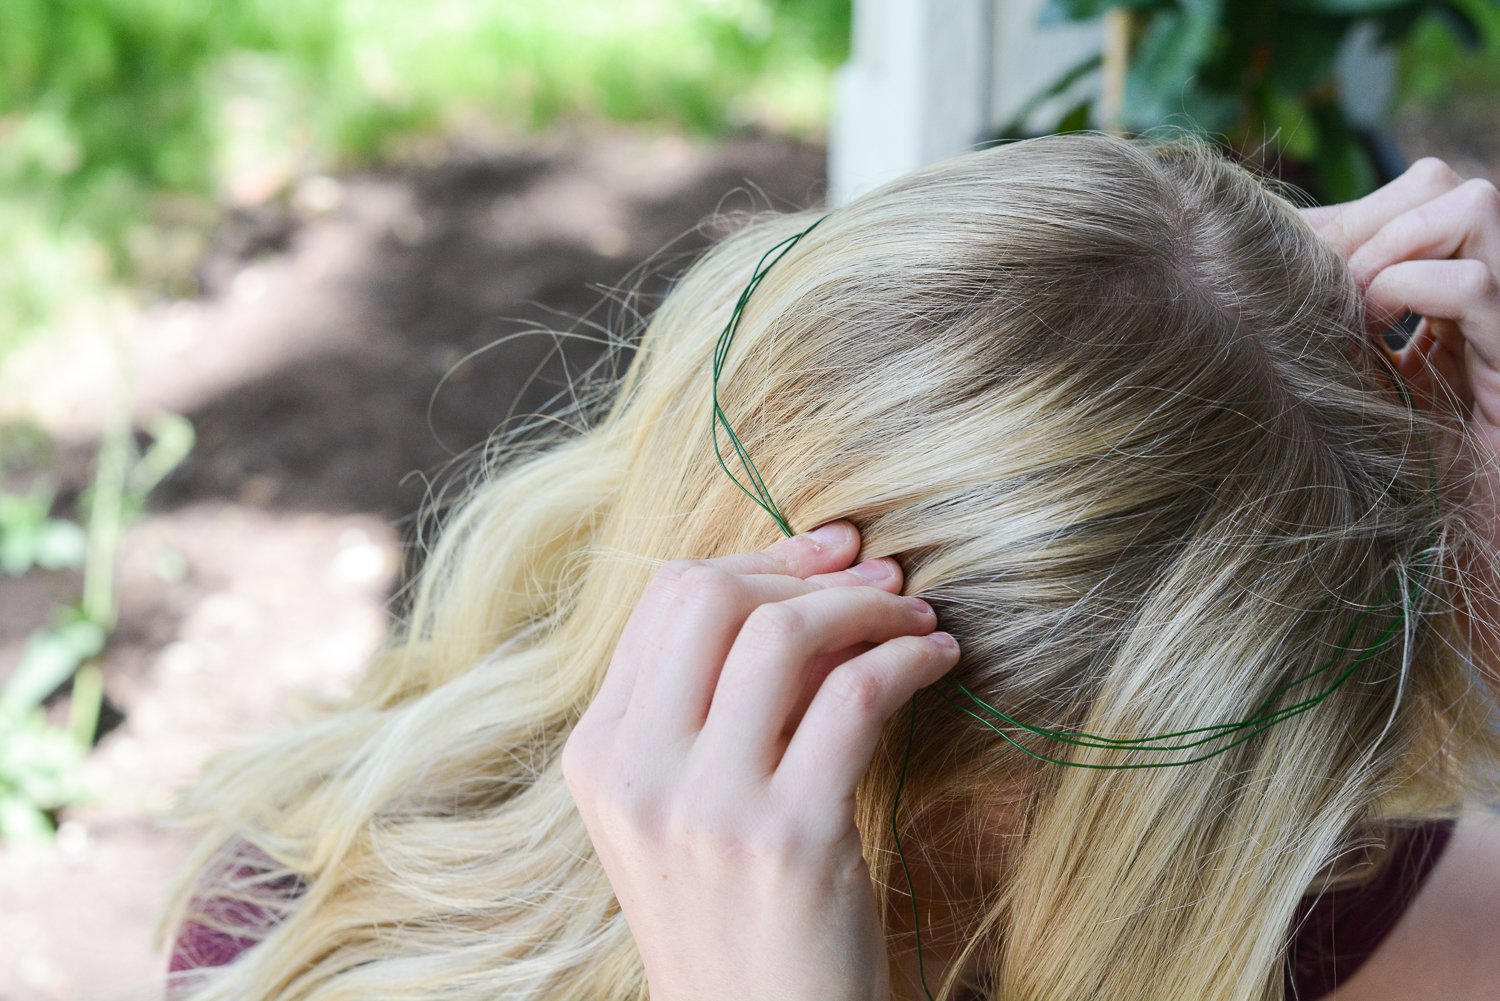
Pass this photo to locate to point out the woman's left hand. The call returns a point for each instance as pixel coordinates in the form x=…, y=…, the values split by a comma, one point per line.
x=1429, y=242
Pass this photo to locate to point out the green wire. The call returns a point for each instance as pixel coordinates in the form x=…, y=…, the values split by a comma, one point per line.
x=1265, y=717
x=761, y=496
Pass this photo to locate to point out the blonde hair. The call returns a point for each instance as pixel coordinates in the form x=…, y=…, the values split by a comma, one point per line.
x=1111, y=405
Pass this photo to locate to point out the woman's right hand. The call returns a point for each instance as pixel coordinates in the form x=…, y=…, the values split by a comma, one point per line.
x=716, y=770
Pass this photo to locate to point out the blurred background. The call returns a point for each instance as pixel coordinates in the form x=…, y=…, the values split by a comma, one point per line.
x=272, y=273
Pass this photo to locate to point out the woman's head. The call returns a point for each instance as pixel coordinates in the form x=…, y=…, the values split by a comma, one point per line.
x=1112, y=406
x=1114, y=409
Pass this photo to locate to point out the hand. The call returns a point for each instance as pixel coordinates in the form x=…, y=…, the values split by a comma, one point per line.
x=716, y=770
x=1429, y=242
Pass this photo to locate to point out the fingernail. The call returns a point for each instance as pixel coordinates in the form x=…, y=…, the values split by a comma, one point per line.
x=876, y=569
x=919, y=605
x=943, y=639
x=831, y=534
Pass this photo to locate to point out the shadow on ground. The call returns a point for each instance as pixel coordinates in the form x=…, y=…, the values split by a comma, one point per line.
x=384, y=369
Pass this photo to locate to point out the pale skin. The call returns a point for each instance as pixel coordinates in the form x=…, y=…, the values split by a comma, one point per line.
x=715, y=771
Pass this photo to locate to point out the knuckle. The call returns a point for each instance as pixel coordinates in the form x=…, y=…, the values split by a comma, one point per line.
x=1387, y=242
x=577, y=760
x=703, y=585
x=1404, y=231
x=699, y=775
x=715, y=826
x=859, y=690
x=774, y=623
x=670, y=573
x=906, y=646
x=1434, y=172
x=1475, y=281
x=572, y=769
x=1483, y=194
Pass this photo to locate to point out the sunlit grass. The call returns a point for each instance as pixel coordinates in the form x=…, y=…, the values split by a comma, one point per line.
x=1436, y=69
x=111, y=109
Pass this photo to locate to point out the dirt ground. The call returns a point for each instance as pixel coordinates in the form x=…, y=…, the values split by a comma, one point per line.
x=333, y=369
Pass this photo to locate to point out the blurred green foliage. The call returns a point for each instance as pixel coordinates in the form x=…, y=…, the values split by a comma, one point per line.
x=41, y=761
x=1440, y=68
x=1260, y=75
x=108, y=108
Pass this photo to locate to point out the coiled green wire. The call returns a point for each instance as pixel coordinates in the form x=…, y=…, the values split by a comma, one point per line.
x=1264, y=717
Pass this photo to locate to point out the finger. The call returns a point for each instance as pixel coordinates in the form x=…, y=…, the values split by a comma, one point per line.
x=679, y=666
x=1320, y=216
x=826, y=549
x=1464, y=291
x=832, y=546
x=832, y=747
x=816, y=674
x=1361, y=219
x=768, y=665
x=1463, y=222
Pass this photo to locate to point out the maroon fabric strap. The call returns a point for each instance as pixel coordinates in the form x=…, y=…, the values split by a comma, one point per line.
x=202, y=945
x=1336, y=932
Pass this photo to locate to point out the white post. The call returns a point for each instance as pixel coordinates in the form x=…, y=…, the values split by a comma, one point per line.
x=1030, y=56
x=915, y=89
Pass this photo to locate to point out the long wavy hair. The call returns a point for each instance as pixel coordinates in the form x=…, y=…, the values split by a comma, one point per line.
x=1113, y=407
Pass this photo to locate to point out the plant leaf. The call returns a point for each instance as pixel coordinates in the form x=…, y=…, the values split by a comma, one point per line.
x=1461, y=25
x=22, y=518
x=1077, y=72
x=40, y=762
x=172, y=438
x=21, y=823
x=60, y=544
x=1343, y=167
x=1175, y=44
x=1304, y=56
x=1290, y=124
x=1077, y=117
x=50, y=658
x=1395, y=24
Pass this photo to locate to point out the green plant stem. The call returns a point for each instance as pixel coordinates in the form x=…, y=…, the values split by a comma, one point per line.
x=106, y=512
x=85, y=703
x=105, y=517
